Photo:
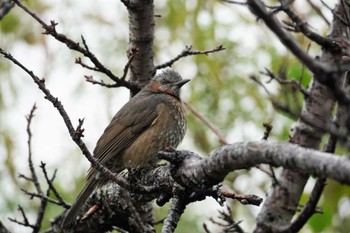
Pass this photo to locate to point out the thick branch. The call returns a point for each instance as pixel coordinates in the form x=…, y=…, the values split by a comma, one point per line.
x=243, y=155
x=283, y=199
x=5, y=7
x=258, y=8
x=141, y=36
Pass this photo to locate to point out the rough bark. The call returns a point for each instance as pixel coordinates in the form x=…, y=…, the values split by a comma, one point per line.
x=283, y=199
x=141, y=36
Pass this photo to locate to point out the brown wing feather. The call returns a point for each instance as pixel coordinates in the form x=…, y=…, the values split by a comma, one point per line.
x=132, y=119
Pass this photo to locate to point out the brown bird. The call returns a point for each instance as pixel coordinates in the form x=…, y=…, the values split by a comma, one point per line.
x=151, y=120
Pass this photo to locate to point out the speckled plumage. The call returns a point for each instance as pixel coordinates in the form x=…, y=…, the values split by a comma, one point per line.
x=151, y=120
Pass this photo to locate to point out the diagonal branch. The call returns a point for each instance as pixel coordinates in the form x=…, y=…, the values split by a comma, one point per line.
x=189, y=52
x=51, y=30
x=76, y=136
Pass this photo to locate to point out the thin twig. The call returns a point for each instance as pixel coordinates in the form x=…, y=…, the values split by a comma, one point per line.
x=300, y=26
x=245, y=199
x=189, y=52
x=286, y=82
x=51, y=30
x=90, y=79
x=25, y=221
x=34, y=177
x=228, y=224
x=268, y=128
x=202, y=118
x=235, y=2
x=49, y=181
x=42, y=196
x=76, y=136
x=319, y=11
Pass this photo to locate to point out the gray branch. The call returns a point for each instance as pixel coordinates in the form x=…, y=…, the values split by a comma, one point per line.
x=244, y=155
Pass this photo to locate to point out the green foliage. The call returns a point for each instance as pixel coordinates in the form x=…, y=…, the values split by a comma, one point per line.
x=9, y=24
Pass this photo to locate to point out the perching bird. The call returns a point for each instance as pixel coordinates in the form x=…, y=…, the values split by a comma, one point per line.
x=151, y=120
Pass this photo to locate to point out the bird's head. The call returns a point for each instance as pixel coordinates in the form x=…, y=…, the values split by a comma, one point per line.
x=168, y=82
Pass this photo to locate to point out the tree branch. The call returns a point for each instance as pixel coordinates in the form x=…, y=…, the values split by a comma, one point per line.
x=189, y=52
x=51, y=30
x=243, y=155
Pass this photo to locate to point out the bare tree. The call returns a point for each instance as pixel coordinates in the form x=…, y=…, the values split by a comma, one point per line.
x=125, y=205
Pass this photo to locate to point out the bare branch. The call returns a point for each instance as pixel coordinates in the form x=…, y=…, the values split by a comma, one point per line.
x=76, y=136
x=300, y=26
x=101, y=83
x=25, y=221
x=5, y=7
x=177, y=208
x=202, y=118
x=318, y=11
x=49, y=181
x=286, y=82
x=243, y=155
x=245, y=199
x=189, y=52
x=34, y=177
x=268, y=128
x=229, y=225
x=51, y=30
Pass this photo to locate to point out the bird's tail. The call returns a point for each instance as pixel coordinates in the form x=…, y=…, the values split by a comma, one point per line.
x=71, y=216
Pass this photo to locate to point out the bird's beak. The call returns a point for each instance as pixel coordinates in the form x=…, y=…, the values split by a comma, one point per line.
x=181, y=82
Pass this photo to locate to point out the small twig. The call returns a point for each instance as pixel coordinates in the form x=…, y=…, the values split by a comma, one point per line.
x=34, y=177
x=273, y=175
x=133, y=53
x=249, y=199
x=51, y=30
x=228, y=223
x=189, y=52
x=42, y=196
x=60, y=200
x=202, y=118
x=90, y=79
x=25, y=177
x=235, y=2
x=80, y=130
x=76, y=136
x=300, y=26
x=258, y=8
x=319, y=12
x=205, y=227
x=79, y=61
x=285, y=82
x=25, y=221
x=90, y=212
x=268, y=128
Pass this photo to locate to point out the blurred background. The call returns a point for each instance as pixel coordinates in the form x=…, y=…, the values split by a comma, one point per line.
x=221, y=90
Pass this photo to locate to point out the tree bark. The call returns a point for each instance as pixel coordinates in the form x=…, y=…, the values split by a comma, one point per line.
x=283, y=199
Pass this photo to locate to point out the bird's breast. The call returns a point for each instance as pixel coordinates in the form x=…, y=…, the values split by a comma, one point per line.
x=167, y=129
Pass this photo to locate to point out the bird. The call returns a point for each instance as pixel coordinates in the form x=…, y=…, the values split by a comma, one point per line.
x=151, y=121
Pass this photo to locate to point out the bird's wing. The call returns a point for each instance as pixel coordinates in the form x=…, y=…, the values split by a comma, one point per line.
x=127, y=125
